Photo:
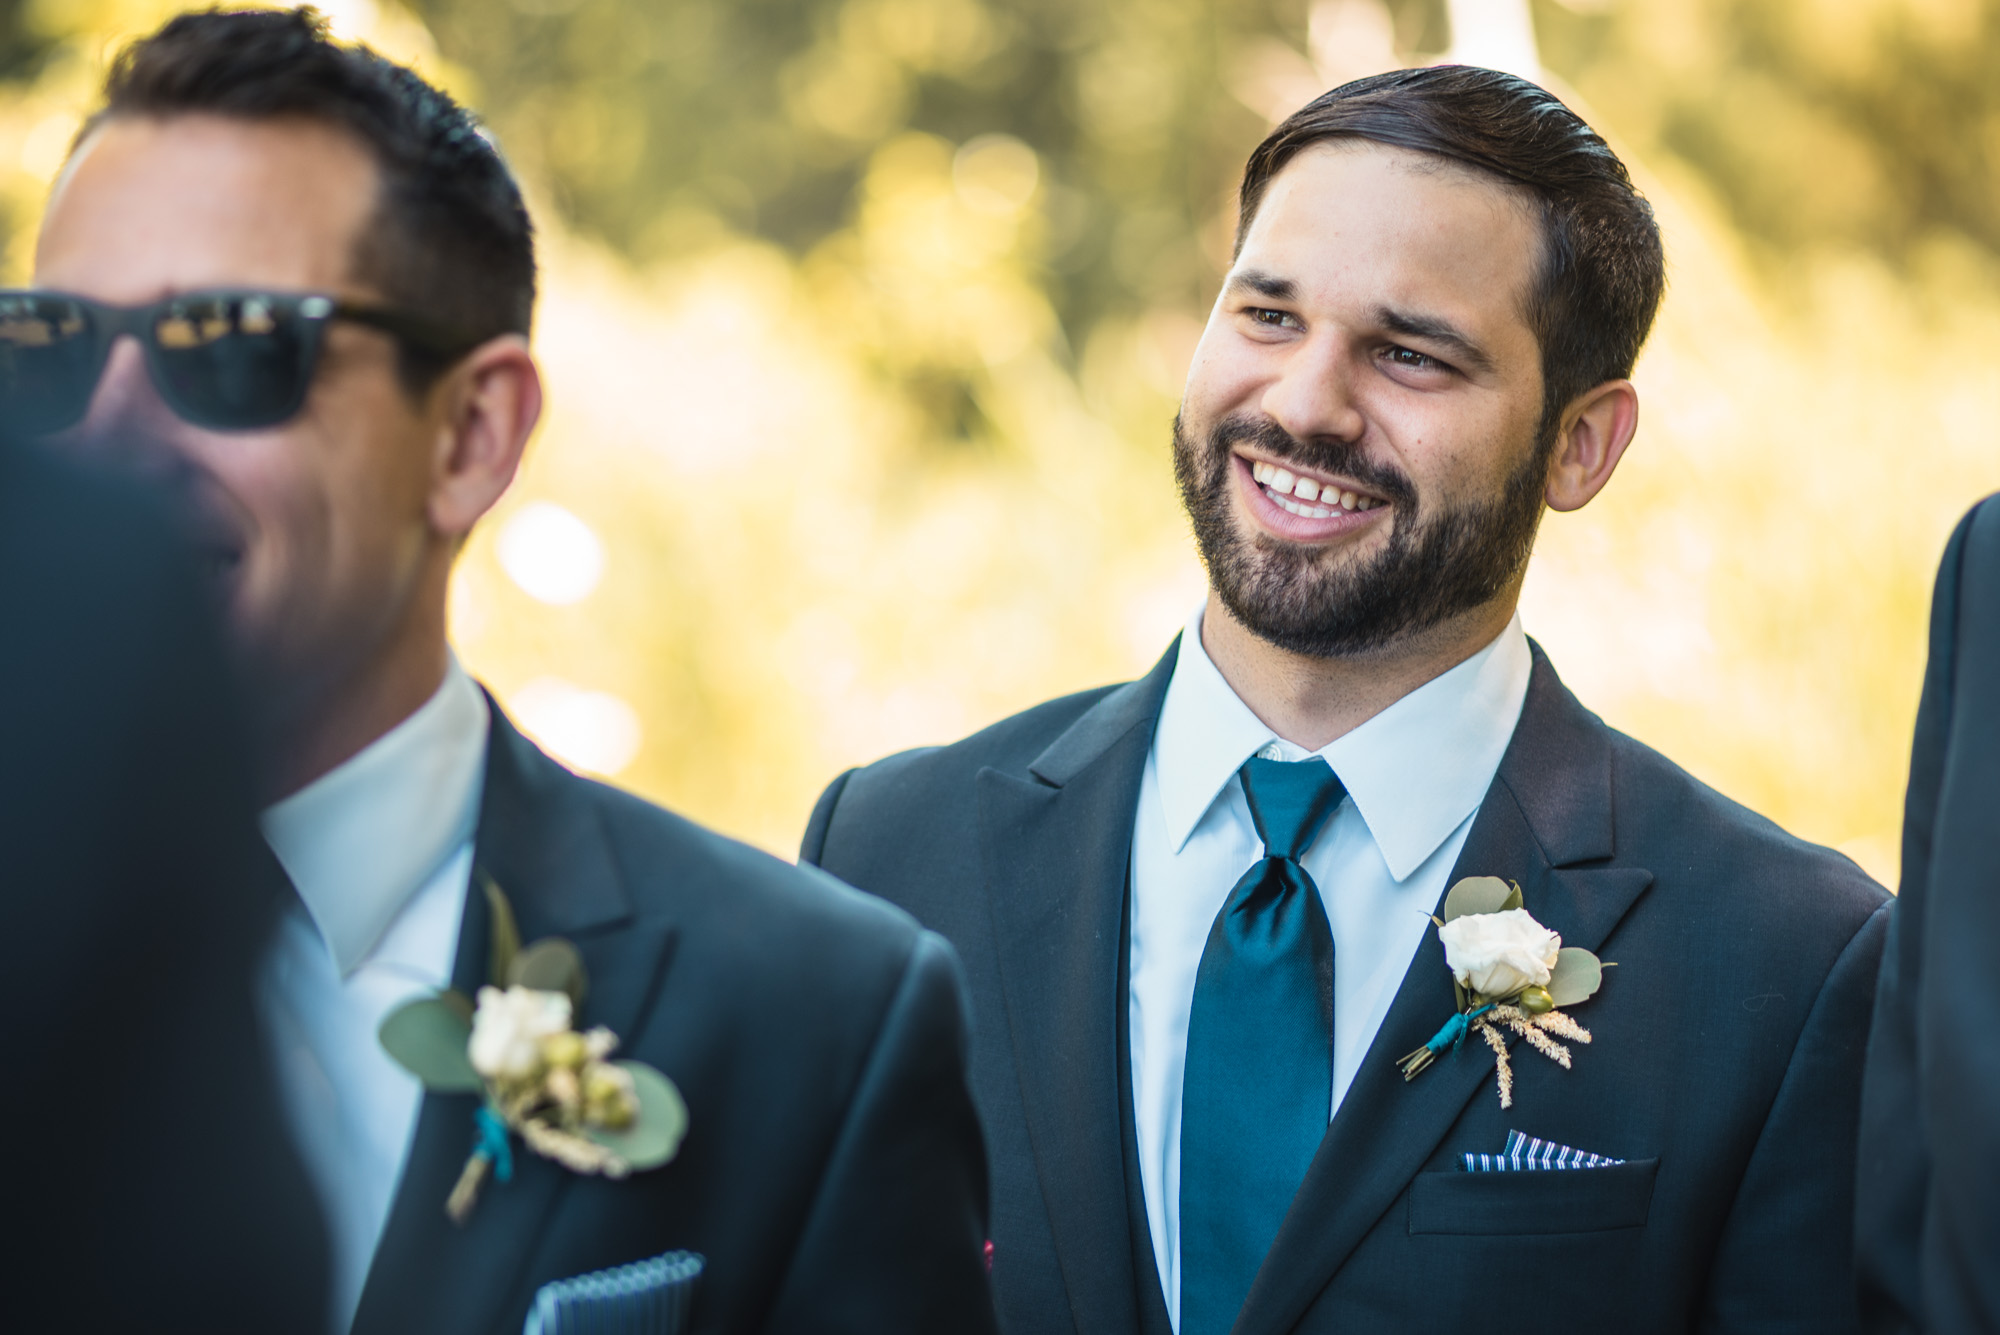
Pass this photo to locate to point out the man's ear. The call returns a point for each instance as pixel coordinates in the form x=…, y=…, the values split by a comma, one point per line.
x=492, y=401
x=1596, y=428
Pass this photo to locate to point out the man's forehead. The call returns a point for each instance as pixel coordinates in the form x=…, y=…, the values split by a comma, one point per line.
x=1347, y=211
x=150, y=205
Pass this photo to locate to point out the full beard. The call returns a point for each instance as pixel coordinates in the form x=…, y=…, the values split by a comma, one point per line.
x=1438, y=562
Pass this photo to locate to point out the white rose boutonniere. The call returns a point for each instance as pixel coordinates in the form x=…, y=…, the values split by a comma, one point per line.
x=508, y=1029
x=557, y=1089
x=1499, y=954
x=1509, y=972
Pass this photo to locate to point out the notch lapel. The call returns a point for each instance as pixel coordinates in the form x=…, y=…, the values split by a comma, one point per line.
x=540, y=838
x=1055, y=849
x=1550, y=805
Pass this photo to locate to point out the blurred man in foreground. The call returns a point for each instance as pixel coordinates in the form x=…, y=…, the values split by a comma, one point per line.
x=150, y=1184
x=1928, y=1227
x=303, y=279
x=1196, y=909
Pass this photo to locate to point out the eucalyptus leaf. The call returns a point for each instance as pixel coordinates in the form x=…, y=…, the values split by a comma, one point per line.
x=1576, y=977
x=551, y=965
x=428, y=1039
x=1513, y=900
x=1478, y=894
x=506, y=934
x=655, y=1135
x=460, y=1004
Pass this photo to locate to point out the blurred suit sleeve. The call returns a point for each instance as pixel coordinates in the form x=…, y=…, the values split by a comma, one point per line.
x=1928, y=1186
x=886, y=1247
x=150, y=1184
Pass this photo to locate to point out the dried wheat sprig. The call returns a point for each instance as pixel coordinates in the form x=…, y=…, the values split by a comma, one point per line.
x=1542, y=1043
x=1501, y=1065
x=577, y=1153
x=1558, y=1023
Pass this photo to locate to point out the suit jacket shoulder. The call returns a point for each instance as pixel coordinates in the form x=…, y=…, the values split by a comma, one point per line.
x=831, y=1174
x=1665, y=814
x=763, y=915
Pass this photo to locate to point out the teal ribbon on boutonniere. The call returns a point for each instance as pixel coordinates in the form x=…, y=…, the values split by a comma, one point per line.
x=1509, y=973
x=540, y=1079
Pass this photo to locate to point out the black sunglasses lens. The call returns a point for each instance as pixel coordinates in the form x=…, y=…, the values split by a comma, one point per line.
x=233, y=363
x=48, y=363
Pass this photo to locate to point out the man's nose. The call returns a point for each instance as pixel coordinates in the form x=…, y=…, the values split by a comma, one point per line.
x=1313, y=393
x=127, y=423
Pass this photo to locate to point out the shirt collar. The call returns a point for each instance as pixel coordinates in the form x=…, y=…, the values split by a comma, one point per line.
x=1415, y=771
x=363, y=838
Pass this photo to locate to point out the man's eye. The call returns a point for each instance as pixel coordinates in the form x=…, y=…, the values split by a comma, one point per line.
x=1416, y=361
x=1277, y=319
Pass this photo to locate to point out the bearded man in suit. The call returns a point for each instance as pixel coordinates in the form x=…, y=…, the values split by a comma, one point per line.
x=1195, y=909
x=293, y=282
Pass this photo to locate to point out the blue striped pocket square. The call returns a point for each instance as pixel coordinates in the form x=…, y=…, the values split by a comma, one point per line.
x=1525, y=1154
x=644, y=1298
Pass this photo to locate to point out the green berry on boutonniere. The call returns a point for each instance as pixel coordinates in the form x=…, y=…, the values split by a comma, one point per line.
x=1509, y=973
x=556, y=1088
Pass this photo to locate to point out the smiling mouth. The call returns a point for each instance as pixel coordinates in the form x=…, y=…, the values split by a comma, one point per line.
x=1308, y=497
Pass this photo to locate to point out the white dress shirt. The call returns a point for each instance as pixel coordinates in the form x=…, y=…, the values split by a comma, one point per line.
x=1415, y=776
x=380, y=850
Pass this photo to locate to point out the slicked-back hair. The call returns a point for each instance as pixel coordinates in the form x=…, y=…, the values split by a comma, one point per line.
x=449, y=238
x=1602, y=271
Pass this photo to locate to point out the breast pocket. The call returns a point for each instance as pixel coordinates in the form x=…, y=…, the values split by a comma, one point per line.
x=1576, y=1200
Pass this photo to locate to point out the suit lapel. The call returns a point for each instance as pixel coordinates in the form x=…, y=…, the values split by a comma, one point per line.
x=541, y=840
x=1055, y=849
x=1550, y=805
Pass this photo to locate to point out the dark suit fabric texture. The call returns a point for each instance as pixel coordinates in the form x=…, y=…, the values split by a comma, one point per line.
x=151, y=1184
x=1725, y=1067
x=1928, y=1223
x=832, y=1175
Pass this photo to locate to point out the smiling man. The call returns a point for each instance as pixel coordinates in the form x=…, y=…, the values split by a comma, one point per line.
x=293, y=283
x=1196, y=908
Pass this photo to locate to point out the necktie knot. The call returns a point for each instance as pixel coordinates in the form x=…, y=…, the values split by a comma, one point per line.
x=1289, y=801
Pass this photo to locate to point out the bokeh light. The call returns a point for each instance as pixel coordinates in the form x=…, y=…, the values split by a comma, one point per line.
x=550, y=554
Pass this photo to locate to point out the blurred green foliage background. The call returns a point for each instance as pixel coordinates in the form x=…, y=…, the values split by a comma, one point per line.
x=866, y=319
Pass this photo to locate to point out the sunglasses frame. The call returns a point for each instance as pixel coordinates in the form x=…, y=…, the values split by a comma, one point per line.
x=314, y=311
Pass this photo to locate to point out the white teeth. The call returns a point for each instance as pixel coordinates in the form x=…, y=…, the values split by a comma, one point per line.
x=1303, y=511
x=1282, y=486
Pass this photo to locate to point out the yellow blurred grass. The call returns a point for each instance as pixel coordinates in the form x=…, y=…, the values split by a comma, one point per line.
x=797, y=579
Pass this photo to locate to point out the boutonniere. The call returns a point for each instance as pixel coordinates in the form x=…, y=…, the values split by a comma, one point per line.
x=541, y=1079
x=1509, y=972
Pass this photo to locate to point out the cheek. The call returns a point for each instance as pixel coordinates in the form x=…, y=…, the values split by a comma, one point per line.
x=1220, y=373
x=1455, y=446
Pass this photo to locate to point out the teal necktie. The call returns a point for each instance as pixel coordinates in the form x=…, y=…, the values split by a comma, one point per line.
x=1259, y=1073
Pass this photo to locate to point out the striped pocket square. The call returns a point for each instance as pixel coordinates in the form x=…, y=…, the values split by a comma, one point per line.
x=644, y=1298
x=1526, y=1154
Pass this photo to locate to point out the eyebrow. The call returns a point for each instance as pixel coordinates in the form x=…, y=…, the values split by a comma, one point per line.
x=1434, y=330
x=1265, y=284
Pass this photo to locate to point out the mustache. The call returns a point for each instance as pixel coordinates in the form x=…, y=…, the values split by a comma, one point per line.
x=1323, y=454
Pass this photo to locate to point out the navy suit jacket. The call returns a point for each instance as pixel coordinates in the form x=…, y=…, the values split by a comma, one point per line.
x=1725, y=1068
x=832, y=1173
x=1928, y=1229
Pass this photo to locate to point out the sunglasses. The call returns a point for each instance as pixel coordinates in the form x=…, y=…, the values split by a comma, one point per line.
x=229, y=361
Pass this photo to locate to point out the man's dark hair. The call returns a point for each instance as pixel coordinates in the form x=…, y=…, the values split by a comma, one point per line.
x=450, y=238
x=1602, y=270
